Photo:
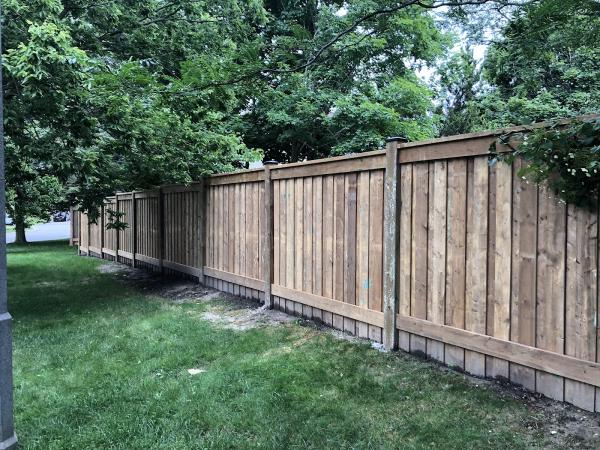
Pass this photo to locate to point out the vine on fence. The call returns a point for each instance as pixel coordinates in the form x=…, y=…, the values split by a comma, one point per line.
x=566, y=157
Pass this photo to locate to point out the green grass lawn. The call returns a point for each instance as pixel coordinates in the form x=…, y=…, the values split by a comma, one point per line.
x=100, y=365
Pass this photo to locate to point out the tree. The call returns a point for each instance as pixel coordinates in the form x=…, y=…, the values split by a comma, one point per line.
x=545, y=65
x=93, y=97
x=362, y=90
x=460, y=82
x=117, y=95
x=45, y=118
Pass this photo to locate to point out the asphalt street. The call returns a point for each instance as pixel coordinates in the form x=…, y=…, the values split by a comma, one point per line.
x=50, y=231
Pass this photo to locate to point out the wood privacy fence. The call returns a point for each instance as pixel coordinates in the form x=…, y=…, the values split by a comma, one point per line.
x=423, y=246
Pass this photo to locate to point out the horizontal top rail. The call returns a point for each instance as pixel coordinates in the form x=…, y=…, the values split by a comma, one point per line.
x=241, y=176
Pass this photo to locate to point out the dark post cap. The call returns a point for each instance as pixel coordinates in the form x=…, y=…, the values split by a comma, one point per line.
x=270, y=162
x=397, y=138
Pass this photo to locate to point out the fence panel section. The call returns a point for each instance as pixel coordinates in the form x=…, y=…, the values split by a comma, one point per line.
x=234, y=260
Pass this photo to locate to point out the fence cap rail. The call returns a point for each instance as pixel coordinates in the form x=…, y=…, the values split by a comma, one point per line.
x=499, y=131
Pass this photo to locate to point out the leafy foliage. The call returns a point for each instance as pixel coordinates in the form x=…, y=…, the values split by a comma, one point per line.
x=545, y=65
x=460, y=79
x=565, y=157
x=114, y=95
x=363, y=90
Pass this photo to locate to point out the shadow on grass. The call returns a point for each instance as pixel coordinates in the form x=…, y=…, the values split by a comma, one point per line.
x=48, y=281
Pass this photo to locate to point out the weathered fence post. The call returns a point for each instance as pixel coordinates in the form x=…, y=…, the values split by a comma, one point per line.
x=71, y=227
x=161, y=230
x=80, y=231
x=201, y=230
x=102, y=230
x=268, y=234
x=88, y=234
x=117, y=231
x=133, y=229
x=390, y=245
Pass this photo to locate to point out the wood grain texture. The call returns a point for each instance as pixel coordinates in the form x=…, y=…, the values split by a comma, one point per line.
x=317, y=243
x=477, y=238
x=436, y=270
x=362, y=248
x=456, y=255
x=581, y=298
x=350, y=201
x=500, y=327
x=550, y=287
x=479, y=251
x=391, y=247
x=404, y=274
x=376, y=248
x=524, y=261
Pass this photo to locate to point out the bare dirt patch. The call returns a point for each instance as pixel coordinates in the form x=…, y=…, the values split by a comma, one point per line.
x=563, y=424
x=230, y=311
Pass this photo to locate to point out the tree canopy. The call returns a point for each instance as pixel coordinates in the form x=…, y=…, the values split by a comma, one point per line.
x=543, y=64
x=120, y=95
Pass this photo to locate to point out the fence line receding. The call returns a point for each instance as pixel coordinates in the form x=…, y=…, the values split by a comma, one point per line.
x=491, y=274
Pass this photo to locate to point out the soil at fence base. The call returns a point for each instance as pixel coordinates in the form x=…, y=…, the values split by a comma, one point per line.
x=565, y=425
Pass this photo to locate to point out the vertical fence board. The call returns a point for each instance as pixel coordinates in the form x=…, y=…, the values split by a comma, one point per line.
x=405, y=256
x=276, y=231
x=420, y=217
x=502, y=264
x=317, y=242
x=328, y=242
x=581, y=298
x=338, y=260
x=362, y=246
x=456, y=255
x=476, y=279
x=290, y=233
x=307, y=255
x=283, y=232
x=299, y=232
x=436, y=270
x=350, y=202
x=376, y=249
x=551, y=287
x=524, y=261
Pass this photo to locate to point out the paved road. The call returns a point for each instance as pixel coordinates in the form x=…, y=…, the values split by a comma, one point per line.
x=50, y=231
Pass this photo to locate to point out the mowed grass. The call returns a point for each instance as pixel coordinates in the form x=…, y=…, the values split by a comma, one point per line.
x=99, y=365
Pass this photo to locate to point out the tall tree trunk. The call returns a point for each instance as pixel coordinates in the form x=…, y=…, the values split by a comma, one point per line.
x=20, y=231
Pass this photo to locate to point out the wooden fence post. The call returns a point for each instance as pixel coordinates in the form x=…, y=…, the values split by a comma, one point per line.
x=133, y=229
x=71, y=228
x=267, y=231
x=88, y=235
x=117, y=230
x=80, y=230
x=390, y=246
x=102, y=230
x=201, y=230
x=161, y=230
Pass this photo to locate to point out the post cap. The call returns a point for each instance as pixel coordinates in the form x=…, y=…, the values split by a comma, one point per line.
x=270, y=162
x=397, y=139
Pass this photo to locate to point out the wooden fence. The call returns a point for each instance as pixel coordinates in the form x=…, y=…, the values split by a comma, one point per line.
x=423, y=246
